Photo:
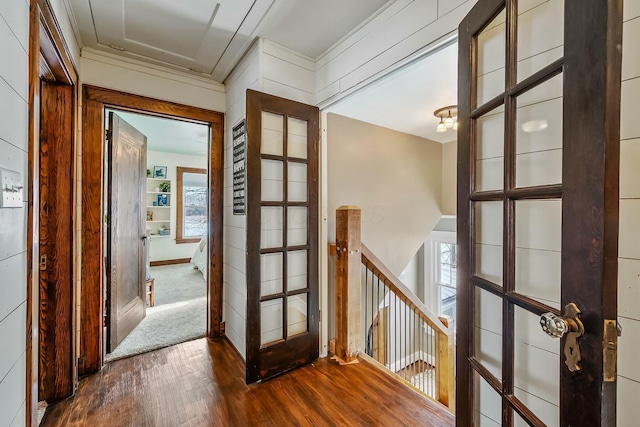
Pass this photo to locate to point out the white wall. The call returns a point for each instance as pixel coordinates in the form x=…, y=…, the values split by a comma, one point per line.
x=14, y=87
x=629, y=244
x=449, y=177
x=166, y=248
x=245, y=76
x=270, y=68
x=395, y=179
x=128, y=75
x=402, y=31
x=14, y=95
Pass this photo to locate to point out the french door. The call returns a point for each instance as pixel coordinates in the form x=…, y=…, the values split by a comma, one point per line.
x=538, y=156
x=282, y=235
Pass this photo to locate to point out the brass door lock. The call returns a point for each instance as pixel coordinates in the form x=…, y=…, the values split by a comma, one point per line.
x=571, y=326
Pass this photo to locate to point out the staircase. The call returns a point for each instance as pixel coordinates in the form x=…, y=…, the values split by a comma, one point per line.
x=380, y=320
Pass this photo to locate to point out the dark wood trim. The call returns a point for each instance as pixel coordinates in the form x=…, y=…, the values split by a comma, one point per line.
x=253, y=199
x=524, y=412
x=517, y=89
x=216, y=192
x=179, y=217
x=590, y=208
x=92, y=266
x=268, y=360
x=467, y=88
x=47, y=50
x=33, y=219
x=95, y=100
x=485, y=374
x=509, y=208
x=188, y=240
x=157, y=107
x=53, y=46
x=57, y=290
x=589, y=191
x=170, y=262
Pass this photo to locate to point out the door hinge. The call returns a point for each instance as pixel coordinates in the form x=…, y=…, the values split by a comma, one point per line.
x=610, y=350
x=43, y=262
x=108, y=134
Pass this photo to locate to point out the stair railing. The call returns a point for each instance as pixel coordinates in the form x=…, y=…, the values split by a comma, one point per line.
x=379, y=319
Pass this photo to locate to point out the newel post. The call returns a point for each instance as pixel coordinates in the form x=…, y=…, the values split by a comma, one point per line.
x=445, y=367
x=348, y=265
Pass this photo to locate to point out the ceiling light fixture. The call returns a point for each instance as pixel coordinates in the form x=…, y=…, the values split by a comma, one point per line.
x=448, y=118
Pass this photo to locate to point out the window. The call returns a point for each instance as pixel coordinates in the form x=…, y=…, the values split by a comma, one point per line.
x=192, y=204
x=446, y=279
x=440, y=273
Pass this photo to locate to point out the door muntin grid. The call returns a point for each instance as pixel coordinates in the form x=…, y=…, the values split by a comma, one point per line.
x=284, y=247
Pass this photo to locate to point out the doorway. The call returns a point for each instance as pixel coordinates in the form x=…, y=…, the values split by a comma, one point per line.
x=173, y=194
x=96, y=102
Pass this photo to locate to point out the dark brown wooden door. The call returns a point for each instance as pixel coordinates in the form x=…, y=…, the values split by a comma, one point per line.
x=56, y=366
x=538, y=156
x=126, y=238
x=282, y=235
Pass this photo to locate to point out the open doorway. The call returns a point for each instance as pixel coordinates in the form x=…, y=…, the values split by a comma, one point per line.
x=391, y=125
x=96, y=102
x=172, y=194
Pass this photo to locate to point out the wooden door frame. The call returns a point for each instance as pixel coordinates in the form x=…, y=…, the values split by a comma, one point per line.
x=589, y=192
x=49, y=58
x=95, y=100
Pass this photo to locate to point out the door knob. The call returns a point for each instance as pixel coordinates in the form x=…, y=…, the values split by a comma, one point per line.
x=570, y=325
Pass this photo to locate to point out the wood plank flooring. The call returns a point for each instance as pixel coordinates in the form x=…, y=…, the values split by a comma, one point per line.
x=201, y=383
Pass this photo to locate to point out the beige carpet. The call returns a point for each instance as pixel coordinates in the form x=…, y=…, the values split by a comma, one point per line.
x=179, y=313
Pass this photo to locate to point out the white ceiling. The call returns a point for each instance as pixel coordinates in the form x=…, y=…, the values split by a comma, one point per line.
x=405, y=101
x=168, y=135
x=209, y=37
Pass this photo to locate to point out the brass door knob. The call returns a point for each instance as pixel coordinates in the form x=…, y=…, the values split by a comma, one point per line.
x=569, y=324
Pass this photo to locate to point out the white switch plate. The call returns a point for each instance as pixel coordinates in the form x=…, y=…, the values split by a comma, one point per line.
x=12, y=189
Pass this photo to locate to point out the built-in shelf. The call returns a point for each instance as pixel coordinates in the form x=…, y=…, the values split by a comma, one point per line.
x=159, y=216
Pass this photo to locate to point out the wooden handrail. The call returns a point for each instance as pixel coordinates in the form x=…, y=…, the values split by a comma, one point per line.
x=442, y=325
x=397, y=287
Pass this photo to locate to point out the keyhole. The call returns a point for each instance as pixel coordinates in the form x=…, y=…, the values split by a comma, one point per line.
x=571, y=351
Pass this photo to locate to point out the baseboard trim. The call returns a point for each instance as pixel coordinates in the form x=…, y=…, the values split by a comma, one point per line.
x=170, y=262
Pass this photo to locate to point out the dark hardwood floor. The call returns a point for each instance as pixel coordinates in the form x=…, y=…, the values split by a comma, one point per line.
x=201, y=383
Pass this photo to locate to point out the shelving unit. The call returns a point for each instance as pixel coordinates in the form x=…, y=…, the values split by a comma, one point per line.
x=158, y=217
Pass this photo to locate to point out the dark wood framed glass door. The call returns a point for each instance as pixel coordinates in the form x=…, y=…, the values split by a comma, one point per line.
x=282, y=235
x=538, y=156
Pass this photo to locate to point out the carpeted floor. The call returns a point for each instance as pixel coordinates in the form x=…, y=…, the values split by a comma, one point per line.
x=179, y=314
